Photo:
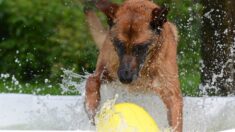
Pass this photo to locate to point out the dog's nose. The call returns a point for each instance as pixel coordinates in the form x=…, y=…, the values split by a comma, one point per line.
x=125, y=76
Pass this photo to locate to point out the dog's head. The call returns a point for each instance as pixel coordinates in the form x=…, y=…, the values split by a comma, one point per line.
x=134, y=27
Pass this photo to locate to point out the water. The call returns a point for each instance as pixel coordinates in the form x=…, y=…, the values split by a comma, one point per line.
x=31, y=112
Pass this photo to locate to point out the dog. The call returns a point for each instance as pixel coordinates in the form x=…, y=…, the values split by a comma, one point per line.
x=140, y=50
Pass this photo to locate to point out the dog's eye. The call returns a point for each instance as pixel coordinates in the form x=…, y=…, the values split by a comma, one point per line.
x=119, y=46
x=140, y=50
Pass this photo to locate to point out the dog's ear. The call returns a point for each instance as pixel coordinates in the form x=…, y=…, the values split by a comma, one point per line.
x=109, y=9
x=159, y=17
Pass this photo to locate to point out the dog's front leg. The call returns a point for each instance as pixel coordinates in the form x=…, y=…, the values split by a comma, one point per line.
x=174, y=104
x=175, y=118
x=92, y=97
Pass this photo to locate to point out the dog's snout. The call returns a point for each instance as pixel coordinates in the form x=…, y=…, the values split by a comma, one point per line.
x=125, y=76
x=127, y=71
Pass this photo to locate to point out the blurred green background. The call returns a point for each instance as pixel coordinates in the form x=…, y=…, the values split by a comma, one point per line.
x=40, y=37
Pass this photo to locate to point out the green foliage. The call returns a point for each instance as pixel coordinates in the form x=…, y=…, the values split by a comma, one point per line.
x=39, y=37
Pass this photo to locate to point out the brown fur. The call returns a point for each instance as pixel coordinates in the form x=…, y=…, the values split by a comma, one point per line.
x=159, y=73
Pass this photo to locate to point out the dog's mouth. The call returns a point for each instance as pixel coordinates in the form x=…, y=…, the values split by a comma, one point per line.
x=129, y=68
x=126, y=77
x=125, y=81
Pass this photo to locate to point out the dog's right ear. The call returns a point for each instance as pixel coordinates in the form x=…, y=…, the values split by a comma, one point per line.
x=159, y=17
x=109, y=9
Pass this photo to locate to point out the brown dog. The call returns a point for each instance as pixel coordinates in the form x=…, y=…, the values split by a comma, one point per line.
x=139, y=50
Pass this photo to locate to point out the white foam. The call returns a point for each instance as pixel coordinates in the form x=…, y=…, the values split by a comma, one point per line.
x=30, y=112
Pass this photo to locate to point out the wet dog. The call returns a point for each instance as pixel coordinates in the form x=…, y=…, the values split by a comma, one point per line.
x=139, y=49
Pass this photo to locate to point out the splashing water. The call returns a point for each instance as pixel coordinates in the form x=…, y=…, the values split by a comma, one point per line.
x=67, y=112
x=215, y=77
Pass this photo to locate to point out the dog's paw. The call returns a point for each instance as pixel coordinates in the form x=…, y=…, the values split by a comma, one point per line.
x=91, y=114
x=91, y=117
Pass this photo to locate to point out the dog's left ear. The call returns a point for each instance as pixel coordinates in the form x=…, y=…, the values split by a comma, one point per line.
x=109, y=9
x=159, y=17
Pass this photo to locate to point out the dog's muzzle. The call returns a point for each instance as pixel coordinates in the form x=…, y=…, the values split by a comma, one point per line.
x=126, y=76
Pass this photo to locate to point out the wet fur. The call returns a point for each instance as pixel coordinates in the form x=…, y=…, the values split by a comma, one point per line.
x=159, y=73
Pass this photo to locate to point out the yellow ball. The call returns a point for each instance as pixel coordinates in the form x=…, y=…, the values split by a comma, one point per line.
x=125, y=117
